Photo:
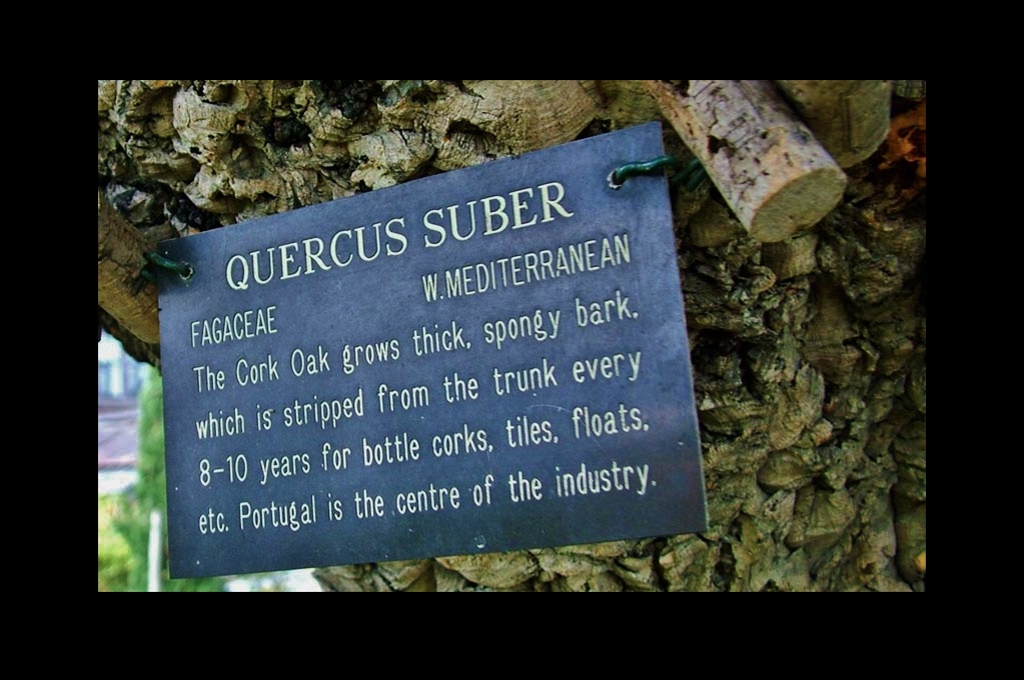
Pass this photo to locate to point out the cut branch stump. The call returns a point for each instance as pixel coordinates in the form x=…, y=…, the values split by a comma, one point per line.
x=121, y=259
x=768, y=166
x=849, y=117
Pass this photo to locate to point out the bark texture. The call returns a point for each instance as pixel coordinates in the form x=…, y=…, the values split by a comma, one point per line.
x=809, y=353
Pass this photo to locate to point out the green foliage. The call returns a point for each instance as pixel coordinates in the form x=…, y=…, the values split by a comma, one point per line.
x=115, y=556
x=132, y=518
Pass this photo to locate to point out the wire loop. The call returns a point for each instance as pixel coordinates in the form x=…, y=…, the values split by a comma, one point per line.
x=691, y=175
x=182, y=269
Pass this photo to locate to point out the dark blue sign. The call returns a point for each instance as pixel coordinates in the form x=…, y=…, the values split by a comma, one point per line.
x=488, y=359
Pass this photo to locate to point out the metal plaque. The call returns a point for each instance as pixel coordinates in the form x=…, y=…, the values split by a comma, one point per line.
x=483, y=360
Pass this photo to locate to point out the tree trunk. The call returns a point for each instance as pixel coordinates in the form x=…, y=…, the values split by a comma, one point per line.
x=809, y=353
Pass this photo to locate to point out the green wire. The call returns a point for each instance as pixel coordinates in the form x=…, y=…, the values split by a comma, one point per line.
x=692, y=175
x=623, y=172
x=183, y=269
